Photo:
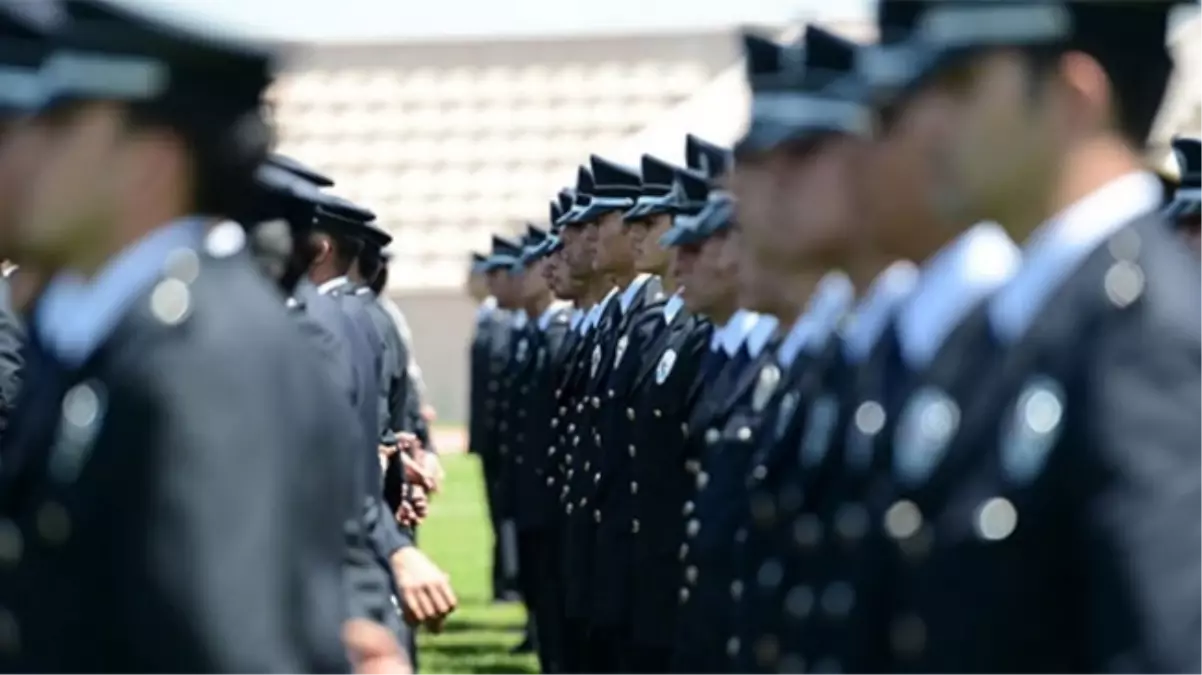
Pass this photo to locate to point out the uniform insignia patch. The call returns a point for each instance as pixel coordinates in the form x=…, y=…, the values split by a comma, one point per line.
x=664, y=368
x=788, y=406
x=523, y=348
x=83, y=411
x=596, y=361
x=820, y=424
x=765, y=387
x=926, y=426
x=620, y=351
x=1034, y=428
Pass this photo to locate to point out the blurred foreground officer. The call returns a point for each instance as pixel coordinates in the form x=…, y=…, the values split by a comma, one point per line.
x=1049, y=521
x=1185, y=206
x=167, y=490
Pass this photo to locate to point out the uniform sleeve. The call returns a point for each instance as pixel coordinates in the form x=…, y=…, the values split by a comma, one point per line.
x=233, y=567
x=334, y=359
x=12, y=335
x=1142, y=514
x=386, y=535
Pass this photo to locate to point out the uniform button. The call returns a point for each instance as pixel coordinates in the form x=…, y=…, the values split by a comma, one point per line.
x=571, y=427
x=807, y=531
x=908, y=636
x=657, y=412
x=684, y=595
x=741, y=535
x=903, y=519
x=736, y=590
x=554, y=422
x=760, y=472
x=732, y=647
x=767, y=651
x=693, y=527
x=838, y=599
x=632, y=450
x=567, y=458
x=597, y=402
x=996, y=519
x=684, y=552
x=596, y=516
x=703, y=479
x=11, y=542
x=692, y=466
x=744, y=434
x=576, y=441
x=610, y=393
x=684, y=429
x=10, y=632
x=690, y=575
x=571, y=472
x=711, y=436
x=579, y=407
x=870, y=418
x=634, y=487
x=521, y=460
x=799, y=602
x=597, y=477
x=563, y=409
x=770, y=574
x=568, y=509
x=550, y=481
x=630, y=414
x=587, y=464
x=551, y=451
x=634, y=526
x=688, y=508
x=54, y=523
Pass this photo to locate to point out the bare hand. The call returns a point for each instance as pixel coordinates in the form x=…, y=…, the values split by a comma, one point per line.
x=425, y=589
x=373, y=650
x=432, y=466
x=428, y=413
x=415, y=473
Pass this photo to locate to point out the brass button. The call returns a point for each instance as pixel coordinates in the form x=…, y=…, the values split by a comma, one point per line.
x=633, y=450
x=634, y=487
x=744, y=434
x=634, y=526
x=759, y=472
x=684, y=552
x=684, y=595
x=712, y=435
x=693, y=527
x=630, y=414
x=690, y=575
x=657, y=412
x=703, y=479
x=688, y=508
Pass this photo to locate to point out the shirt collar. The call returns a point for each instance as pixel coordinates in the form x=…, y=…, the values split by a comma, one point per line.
x=1060, y=245
x=520, y=319
x=811, y=330
x=760, y=333
x=576, y=318
x=869, y=318
x=736, y=330
x=328, y=285
x=544, y=319
x=628, y=294
x=486, y=308
x=672, y=307
x=950, y=284
x=75, y=315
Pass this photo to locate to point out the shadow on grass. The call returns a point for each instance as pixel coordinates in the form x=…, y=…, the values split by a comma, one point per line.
x=470, y=626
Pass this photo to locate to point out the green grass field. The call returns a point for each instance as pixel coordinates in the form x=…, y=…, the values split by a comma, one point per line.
x=478, y=637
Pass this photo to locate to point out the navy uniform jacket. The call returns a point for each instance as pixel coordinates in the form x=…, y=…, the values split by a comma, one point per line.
x=532, y=501
x=173, y=503
x=374, y=535
x=1051, y=523
x=662, y=397
x=704, y=637
x=613, y=486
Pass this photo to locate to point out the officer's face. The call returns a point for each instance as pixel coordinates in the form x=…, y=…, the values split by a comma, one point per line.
x=21, y=148
x=898, y=180
x=814, y=207
x=91, y=171
x=1009, y=128
x=649, y=255
x=614, y=251
x=577, y=252
x=759, y=287
x=752, y=184
x=715, y=278
x=534, y=281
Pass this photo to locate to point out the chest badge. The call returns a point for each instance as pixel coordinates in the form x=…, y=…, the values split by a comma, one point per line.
x=664, y=368
x=596, y=363
x=784, y=414
x=926, y=427
x=765, y=386
x=523, y=349
x=620, y=351
x=1035, y=426
x=83, y=411
x=820, y=425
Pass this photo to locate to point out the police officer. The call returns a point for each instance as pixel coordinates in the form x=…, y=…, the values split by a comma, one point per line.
x=1185, y=203
x=660, y=398
x=1035, y=489
x=140, y=445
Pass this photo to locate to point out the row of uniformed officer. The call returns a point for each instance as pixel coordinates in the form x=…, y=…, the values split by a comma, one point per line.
x=973, y=459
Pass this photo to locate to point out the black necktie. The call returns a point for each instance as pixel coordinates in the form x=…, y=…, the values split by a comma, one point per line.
x=712, y=364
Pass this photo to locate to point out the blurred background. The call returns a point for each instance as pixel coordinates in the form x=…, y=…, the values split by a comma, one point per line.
x=455, y=119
